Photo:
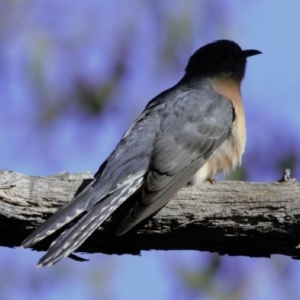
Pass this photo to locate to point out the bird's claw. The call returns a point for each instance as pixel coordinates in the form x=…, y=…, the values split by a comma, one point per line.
x=212, y=180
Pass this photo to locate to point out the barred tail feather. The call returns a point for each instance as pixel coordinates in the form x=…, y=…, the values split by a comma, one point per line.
x=73, y=237
x=63, y=216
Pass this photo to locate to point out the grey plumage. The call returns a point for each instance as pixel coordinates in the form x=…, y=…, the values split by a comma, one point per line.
x=166, y=146
x=171, y=140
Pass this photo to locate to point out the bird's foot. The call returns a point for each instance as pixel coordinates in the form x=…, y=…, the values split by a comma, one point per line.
x=286, y=177
x=211, y=180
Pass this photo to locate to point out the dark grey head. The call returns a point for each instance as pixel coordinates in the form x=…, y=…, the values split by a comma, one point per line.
x=220, y=58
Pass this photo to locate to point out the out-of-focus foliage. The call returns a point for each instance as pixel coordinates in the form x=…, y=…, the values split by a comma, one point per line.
x=75, y=74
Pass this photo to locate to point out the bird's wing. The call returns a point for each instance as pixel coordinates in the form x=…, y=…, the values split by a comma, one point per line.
x=197, y=126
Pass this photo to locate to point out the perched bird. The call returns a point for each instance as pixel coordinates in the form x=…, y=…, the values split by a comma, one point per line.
x=187, y=133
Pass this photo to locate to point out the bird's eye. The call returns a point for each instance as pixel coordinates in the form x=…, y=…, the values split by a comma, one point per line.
x=225, y=55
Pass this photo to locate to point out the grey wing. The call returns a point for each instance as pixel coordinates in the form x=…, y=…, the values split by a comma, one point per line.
x=180, y=150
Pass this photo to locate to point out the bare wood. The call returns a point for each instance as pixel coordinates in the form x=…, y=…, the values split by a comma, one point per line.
x=235, y=218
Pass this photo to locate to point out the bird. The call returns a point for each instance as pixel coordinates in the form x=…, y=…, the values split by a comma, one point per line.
x=185, y=135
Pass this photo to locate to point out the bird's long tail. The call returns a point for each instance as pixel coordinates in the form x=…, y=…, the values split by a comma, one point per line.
x=66, y=214
x=73, y=237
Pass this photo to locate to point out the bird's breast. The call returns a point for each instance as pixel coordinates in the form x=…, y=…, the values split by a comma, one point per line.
x=229, y=154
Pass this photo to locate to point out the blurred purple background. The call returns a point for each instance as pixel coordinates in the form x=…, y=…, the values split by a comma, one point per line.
x=73, y=77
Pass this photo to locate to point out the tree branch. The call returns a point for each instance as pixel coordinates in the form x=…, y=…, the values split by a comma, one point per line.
x=235, y=218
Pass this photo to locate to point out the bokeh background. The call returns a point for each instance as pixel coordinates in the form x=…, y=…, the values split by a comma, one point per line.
x=75, y=74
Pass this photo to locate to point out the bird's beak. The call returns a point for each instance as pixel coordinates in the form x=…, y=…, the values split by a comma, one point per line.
x=247, y=53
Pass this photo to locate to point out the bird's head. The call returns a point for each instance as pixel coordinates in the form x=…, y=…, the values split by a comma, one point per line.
x=221, y=58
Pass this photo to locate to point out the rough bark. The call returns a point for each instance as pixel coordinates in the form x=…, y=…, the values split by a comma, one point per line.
x=235, y=218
